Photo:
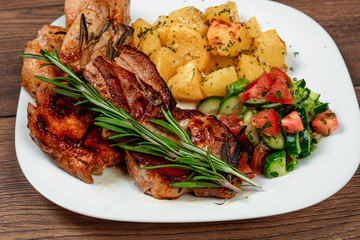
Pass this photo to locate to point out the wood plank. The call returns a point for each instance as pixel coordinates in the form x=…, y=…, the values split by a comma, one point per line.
x=12, y=41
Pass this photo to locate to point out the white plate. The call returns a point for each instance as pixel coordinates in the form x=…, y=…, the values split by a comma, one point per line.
x=113, y=196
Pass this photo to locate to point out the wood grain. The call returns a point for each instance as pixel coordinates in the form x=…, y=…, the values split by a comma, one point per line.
x=25, y=214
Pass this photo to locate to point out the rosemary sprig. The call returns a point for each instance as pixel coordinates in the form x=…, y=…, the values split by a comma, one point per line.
x=206, y=169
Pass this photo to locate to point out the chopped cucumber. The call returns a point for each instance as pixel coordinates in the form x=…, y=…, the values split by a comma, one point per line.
x=275, y=164
x=304, y=135
x=231, y=105
x=290, y=166
x=251, y=131
x=298, y=90
x=236, y=87
x=210, y=105
x=303, y=115
x=275, y=106
x=298, y=83
x=305, y=142
x=277, y=142
x=314, y=96
x=255, y=102
x=322, y=107
x=293, y=144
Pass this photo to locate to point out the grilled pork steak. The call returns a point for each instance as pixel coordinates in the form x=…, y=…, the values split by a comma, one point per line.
x=134, y=85
x=65, y=133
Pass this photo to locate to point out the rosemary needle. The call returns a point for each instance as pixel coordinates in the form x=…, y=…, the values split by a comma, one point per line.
x=206, y=169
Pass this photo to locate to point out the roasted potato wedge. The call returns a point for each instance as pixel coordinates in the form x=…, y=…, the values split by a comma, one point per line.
x=227, y=12
x=270, y=48
x=228, y=39
x=186, y=84
x=250, y=67
x=166, y=62
x=162, y=25
x=146, y=38
x=189, y=44
x=217, y=62
x=253, y=27
x=214, y=84
x=190, y=17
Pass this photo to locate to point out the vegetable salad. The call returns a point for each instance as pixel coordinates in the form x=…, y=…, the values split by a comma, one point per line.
x=278, y=120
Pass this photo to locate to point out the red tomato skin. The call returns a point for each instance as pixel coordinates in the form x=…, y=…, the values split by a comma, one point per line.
x=257, y=159
x=253, y=92
x=247, y=170
x=232, y=122
x=257, y=88
x=284, y=94
x=325, y=123
x=277, y=74
x=264, y=82
x=250, y=85
x=243, y=158
x=292, y=123
x=267, y=115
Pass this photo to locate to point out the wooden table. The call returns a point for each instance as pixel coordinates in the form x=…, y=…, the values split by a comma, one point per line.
x=24, y=213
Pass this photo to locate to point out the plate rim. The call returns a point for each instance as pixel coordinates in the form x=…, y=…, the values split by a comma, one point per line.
x=131, y=219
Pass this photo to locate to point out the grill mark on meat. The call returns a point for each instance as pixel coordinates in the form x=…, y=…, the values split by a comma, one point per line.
x=113, y=89
x=138, y=63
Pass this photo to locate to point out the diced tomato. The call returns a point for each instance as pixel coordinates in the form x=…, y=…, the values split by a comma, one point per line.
x=247, y=170
x=277, y=74
x=267, y=122
x=253, y=92
x=257, y=88
x=325, y=123
x=292, y=123
x=243, y=158
x=232, y=122
x=257, y=159
x=280, y=93
x=250, y=85
x=264, y=82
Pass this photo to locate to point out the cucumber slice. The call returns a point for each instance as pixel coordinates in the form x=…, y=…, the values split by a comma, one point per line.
x=255, y=103
x=277, y=142
x=275, y=164
x=304, y=94
x=301, y=83
x=251, y=131
x=303, y=115
x=210, y=105
x=231, y=105
x=293, y=144
x=290, y=166
x=275, y=106
x=305, y=142
x=314, y=96
x=322, y=107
